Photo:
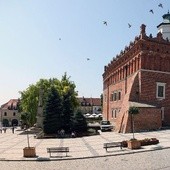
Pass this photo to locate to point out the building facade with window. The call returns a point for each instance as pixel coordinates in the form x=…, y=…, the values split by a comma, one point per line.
x=140, y=76
x=90, y=105
x=9, y=113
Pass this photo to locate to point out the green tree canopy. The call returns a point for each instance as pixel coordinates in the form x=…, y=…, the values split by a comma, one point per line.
x=65, y=88
x=52, y=112
x=80, y=123
x=133, y=111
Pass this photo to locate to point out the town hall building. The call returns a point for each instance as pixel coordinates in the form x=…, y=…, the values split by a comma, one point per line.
x=140, y=76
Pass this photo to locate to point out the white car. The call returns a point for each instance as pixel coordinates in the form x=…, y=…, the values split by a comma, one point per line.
x=105, y=125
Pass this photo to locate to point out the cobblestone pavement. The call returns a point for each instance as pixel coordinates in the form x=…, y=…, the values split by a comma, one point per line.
x=155, y=160
x=11, y=145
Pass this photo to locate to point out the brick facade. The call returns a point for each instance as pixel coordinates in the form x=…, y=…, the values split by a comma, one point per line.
x=139, y=76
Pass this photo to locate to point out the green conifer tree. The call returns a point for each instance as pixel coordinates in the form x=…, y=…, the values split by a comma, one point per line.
x=52, y=112
x=80, y=123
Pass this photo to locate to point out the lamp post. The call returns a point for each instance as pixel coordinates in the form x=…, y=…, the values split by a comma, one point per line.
x=29, y=151
x=28, y=139
x=1, y=118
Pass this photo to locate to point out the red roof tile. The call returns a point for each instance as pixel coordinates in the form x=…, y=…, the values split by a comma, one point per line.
x=13, y=103
x=92, y=101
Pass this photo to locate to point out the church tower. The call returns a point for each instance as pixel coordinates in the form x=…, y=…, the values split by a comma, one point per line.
x=164, y=27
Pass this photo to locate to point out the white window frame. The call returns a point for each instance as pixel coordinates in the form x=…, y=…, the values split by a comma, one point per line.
x=158, y=84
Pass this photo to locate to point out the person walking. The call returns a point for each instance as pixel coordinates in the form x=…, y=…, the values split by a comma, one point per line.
x=4, y=129
x=13, y=129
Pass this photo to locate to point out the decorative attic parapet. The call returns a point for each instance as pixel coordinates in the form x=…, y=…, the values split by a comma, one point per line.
x=140, y=43
x=159, y=36
x=142, y=31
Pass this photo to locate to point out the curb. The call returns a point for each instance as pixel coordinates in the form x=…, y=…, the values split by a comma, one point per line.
x=41, y=159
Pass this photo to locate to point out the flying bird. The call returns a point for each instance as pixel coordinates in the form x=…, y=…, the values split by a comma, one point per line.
x=59, y=38
x=105, y=23
x=160, y=5
x=88, y=59
x=129, y=25
x=151, y=10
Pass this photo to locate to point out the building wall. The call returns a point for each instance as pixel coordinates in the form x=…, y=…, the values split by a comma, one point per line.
x=149, y=89
x=147, y=119
x=164, y=29
x=90, y=105
x=9, y=113
x=148, y=86
x=136, y=72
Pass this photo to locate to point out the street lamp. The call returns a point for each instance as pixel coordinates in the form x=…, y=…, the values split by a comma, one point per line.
x=1, y=118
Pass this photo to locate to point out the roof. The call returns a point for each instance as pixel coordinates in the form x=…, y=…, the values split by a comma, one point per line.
x=12, y=104
x=136, y=104
x=89, y=101
x=166, y=16
x=167, y=22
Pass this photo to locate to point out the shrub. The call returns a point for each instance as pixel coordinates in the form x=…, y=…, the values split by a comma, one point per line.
x=144, y=142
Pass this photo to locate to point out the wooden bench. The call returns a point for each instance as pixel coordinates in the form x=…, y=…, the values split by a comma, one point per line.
x=112, y=145
x=57, y=149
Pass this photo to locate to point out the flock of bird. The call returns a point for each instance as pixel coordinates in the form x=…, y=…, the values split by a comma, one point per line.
x=151, y=10
x=129, y=25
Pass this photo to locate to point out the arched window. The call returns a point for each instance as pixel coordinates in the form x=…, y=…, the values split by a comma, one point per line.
x=5, y=113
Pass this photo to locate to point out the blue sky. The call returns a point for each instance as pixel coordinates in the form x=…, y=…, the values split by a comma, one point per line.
x=30, y=48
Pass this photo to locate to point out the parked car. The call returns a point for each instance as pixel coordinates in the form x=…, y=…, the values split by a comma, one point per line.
x=105, y=125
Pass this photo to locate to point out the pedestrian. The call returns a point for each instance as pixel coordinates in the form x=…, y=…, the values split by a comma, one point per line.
x=13, y=129
x=62, y=132
x=73, y=134
x=4, y=129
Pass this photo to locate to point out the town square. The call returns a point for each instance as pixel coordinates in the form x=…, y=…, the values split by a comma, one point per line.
x=85, y=85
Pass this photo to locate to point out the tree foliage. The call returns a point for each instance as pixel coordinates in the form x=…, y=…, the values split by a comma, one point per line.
x=65, y=89
x=52, y=112
x=69, y=102
x=133, y=111
x=25, y=117
x=80, y=124
x=29, y=102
